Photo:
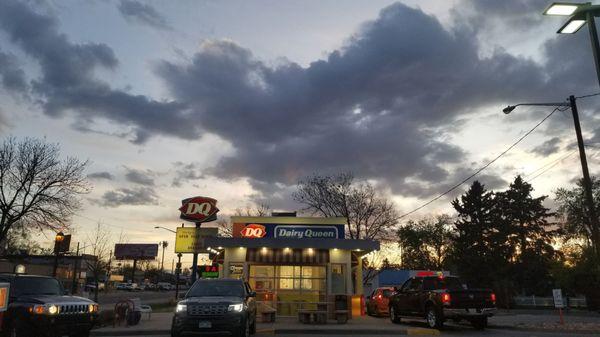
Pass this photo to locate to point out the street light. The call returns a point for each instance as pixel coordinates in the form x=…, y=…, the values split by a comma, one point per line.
x=170, y=230
x=587, y=182
x=580, y=14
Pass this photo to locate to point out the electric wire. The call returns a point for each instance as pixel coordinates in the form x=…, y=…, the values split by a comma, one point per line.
x=590, y=95
x=481, y=168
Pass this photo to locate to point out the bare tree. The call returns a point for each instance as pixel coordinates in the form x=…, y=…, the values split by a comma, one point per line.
x=37, y=188
x=226, y=228
x=100, y=244
x=369, y=216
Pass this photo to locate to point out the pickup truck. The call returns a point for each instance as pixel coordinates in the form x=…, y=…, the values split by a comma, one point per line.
x=216, y=306
x=38, y=306
x=438, y=298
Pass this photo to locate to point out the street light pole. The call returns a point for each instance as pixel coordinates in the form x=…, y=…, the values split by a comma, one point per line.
x=591, y=22
x=587, y=181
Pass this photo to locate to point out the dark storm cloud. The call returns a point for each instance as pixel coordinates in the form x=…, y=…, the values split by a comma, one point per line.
x=68, y=83
x=141, y=177
x=101, y=176
x=13, y=77
x=548, y=147
x=142, y=13
x=514, y=13
x=379, y=107
x=185, y=173
x=126, y=196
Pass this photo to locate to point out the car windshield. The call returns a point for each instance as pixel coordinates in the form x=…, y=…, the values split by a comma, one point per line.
x=449, y=283
x=216, y=288
x=387, y=293
x=35, y=286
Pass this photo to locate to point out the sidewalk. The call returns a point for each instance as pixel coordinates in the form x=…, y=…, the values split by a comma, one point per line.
x=582, y=323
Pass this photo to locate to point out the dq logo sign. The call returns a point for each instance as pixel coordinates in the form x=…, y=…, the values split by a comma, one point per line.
x=199, y=209
x=254, y=231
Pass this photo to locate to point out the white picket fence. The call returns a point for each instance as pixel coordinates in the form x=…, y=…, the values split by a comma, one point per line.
x=536, y=301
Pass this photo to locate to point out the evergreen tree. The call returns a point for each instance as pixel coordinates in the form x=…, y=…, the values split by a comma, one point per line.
x=524, y=223
x=475, y=240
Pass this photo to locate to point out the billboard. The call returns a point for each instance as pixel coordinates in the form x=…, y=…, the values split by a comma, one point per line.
x=191, y=239
x=136, y=251
x=288, y=231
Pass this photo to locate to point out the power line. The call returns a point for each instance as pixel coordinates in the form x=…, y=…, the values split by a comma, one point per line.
x=549, y=163
x=590, y=95
x=554, y=163
x=482, y=168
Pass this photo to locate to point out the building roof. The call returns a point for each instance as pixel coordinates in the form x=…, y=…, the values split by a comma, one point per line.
x=363, y=245
x=291, y=220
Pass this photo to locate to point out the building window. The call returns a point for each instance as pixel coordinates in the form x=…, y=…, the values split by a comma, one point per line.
x=338, y=278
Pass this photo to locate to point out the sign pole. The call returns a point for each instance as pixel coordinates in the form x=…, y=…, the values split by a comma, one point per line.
x=177, y=273
x=195, y=260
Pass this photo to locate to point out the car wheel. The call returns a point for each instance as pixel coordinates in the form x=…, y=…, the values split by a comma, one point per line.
x=245, y=330
x=394, y=316
x=433, y=317
x=479, y=323
x=253, y=327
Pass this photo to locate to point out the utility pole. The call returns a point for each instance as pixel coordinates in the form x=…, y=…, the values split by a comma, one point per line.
x=75, y=267
x=587, y=181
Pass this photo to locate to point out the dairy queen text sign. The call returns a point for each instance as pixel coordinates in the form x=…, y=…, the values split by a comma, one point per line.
x=199, y=209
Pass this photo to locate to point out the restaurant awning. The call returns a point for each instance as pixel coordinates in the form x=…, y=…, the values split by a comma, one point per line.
x=356, y=245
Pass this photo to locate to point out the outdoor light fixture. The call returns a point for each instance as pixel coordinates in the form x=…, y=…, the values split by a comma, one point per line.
x=563, y=8
x=572, y=26
x=579, y=14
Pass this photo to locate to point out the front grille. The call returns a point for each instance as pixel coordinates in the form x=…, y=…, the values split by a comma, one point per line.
x=207, y=309
x=71, y=309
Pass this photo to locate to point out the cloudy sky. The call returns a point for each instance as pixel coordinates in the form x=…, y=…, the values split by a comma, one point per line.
x=237, y=100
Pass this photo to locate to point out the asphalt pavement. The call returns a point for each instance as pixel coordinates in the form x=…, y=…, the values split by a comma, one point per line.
x=449, y=332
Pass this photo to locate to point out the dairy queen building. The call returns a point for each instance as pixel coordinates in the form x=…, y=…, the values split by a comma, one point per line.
x=295, y=263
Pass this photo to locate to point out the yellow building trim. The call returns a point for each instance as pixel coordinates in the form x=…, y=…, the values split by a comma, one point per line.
x=291, y=220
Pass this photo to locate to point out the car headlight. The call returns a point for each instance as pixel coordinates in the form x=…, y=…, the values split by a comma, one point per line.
x=236, y=307
x=181, y=308
x=48, y=309
x=53, y=310
x=93, y=308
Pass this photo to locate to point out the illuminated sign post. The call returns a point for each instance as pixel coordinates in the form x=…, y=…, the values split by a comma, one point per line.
x=198, y=210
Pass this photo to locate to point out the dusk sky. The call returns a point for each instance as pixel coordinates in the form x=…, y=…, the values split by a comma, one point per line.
x=238, y=100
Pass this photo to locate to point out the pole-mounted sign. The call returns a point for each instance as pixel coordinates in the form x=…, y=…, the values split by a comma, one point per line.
x=199, y=209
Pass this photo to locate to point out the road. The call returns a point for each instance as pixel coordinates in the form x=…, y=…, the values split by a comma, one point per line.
x=469, y=333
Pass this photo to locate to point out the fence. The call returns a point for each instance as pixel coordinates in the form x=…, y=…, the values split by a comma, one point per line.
x=548, y=302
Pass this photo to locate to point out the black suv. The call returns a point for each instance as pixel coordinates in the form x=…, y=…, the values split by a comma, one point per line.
x=38, y=306
x=438, y=298
x=216, y=305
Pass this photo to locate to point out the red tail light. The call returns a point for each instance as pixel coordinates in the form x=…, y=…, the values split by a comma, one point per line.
x=493, y=297
x=379, y=297
x=446, y=298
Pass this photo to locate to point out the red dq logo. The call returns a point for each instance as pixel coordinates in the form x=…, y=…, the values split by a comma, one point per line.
x=254, y=231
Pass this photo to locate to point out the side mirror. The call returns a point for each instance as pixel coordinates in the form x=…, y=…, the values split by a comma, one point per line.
x=252, y=294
